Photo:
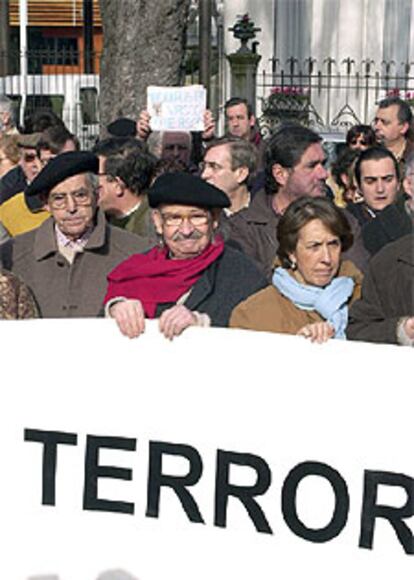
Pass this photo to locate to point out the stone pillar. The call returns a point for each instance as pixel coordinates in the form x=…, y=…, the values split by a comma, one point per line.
x=244, y=62
x=243, y=76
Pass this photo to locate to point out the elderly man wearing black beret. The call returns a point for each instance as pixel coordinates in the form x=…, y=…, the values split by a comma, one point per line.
x=191, y=278
x=66, y=260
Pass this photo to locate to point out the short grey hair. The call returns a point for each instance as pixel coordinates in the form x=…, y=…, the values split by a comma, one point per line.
x=242, y=152
x=7, y=106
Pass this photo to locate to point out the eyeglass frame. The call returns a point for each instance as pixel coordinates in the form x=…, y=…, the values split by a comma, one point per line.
x=179, y=220
x=89, y=199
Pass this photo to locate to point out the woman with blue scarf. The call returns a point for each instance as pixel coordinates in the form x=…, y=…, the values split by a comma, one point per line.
x=311, y=287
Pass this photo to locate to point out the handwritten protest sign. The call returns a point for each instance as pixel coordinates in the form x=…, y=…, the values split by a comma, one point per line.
x=224, y=454
x=176, y=108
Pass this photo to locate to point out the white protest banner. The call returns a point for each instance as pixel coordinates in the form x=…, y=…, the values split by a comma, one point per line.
x=176, y=108
x=224, y=454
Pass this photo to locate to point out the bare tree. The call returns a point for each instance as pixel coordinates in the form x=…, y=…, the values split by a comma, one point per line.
x=144, y=42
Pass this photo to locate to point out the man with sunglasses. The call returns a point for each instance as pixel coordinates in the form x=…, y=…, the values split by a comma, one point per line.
x=191, y=278
x=28, y=167
x=66, y=260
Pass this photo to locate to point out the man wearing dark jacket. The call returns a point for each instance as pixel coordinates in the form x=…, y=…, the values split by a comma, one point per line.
x=294, y=167
x=191, y=278
x=388, y=215
x=385, y=312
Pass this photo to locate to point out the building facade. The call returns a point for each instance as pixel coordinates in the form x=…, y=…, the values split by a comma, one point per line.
x=337, y=57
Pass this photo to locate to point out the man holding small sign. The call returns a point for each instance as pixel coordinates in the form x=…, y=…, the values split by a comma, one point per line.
x=181, y=117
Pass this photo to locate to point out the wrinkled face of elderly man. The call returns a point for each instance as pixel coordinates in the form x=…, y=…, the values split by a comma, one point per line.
x=176, y=145
x=72, y=203
x=185, y=230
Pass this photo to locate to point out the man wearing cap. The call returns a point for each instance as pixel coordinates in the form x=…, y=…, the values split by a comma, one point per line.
x=28, y=167
x=66, y=260
x=191, y=278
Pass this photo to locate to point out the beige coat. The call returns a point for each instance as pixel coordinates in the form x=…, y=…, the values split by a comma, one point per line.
x=270, y=311
x=61, y=289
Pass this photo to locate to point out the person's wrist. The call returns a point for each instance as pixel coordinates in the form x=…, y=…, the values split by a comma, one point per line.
x=111, y=303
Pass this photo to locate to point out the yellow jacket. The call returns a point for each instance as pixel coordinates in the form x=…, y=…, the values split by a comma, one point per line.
x=18, y=218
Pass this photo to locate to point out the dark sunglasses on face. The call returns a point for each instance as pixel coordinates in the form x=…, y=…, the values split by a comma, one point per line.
x=359, y=141
x=29, y=157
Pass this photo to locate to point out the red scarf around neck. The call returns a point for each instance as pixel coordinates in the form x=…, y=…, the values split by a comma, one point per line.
x=155, y=279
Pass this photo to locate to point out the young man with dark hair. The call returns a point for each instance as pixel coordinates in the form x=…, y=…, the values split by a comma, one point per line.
x=377, y=176
x=385, y=215
x=241, y=122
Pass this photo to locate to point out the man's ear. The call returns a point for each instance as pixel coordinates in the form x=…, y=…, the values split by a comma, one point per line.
x=252, y=121
x=280, y=174
x=120, y=187
x=242, y=173
x=157, y=220
x=404, y=128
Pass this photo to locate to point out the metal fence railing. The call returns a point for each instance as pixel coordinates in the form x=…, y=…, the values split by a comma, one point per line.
x=330, y=96
x=55, y=81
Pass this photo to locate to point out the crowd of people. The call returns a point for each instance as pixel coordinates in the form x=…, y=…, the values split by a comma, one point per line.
x=199, y=230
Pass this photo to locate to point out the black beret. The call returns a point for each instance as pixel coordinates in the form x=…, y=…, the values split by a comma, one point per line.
x=122, y=127
x=186, y=189
x=60, y=168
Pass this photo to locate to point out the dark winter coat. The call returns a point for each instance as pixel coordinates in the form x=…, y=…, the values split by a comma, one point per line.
x=387, y=294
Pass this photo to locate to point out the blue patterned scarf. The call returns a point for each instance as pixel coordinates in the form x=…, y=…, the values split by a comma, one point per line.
x=330, y=301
